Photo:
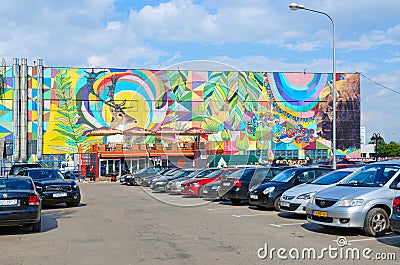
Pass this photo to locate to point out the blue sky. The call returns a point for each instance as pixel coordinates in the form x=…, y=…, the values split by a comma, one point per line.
x=249, y=35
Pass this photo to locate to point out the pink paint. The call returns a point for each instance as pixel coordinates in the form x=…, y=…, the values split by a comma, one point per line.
x=299, y=79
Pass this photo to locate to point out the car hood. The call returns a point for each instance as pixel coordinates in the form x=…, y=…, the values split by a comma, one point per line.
x=54, y=182
x=280, y=185
x=305, y=188
x=347, y=192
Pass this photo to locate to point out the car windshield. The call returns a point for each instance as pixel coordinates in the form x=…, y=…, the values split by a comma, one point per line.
x=194, y=173
x=16, y=184
x=371, y=176
x=284, y=176
x=45, y=174
x=331, y=178
x=205, y=173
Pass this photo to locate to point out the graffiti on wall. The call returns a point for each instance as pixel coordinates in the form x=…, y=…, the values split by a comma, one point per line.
x=248, y=110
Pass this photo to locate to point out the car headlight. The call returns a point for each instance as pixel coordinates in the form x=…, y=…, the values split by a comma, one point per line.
x=305, y=196
x=75, y=187
x=160, y=182
x=268, y=190
x=350, y=202
x=311, y=200
x=214, y=187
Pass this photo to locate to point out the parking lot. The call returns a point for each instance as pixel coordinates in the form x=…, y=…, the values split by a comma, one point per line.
x=117, y=224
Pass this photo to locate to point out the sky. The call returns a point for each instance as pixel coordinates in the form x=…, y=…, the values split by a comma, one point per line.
x=245, y=35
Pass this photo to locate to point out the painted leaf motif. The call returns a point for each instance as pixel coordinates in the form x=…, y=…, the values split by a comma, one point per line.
x=237, y=95
x=68, y=129
x=216, y=92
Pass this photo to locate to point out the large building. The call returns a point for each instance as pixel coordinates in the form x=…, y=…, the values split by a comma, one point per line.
x=50, y=112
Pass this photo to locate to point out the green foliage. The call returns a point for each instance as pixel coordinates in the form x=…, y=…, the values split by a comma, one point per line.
x=391, y=149
x=69, y=129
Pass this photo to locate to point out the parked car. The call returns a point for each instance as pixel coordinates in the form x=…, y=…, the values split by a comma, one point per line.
x=236, y=186
x=159, y=184
x=395, y=217
x=20, y=203
x=269, y=194
x=134, y=179
x=362, y=200
x=295, y=199
x=146, y=181
x=195, y=186
x=210, y=190
x=53, y=187
x=17, y=167
x=175, y=186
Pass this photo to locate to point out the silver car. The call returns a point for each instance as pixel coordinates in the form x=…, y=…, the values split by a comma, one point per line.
x=361, y=200
x=294, y=200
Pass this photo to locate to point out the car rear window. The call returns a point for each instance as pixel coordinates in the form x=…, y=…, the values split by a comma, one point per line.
x=16, y=184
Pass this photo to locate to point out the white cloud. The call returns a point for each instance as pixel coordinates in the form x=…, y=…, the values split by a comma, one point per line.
x=97, y=61
x=113, y=25
x=302, y=46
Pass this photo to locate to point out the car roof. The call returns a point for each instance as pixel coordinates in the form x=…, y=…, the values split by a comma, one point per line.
x=39, y=169
x=387, y=162
x=12, y=177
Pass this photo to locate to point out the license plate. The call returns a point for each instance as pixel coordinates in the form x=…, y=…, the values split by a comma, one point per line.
x=254, y=197
x=60, y=194
x=9, y=202
x=285, y=204
x=226, y=184
x=320, y=213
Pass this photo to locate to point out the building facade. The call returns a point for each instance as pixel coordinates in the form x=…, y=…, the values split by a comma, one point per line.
x=52, y=111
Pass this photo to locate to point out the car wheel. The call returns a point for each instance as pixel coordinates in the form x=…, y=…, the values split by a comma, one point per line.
x=376, y=222
x=277, y=203
x=200, y=193
x=73, y=204
x=235, y=201
x=36, y=228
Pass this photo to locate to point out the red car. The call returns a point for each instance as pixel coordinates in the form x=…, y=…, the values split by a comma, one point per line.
x=195, y=186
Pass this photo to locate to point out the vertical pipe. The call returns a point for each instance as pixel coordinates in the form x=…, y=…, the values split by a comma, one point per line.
x=16, y=109
x=40, y=109
x=24, y=111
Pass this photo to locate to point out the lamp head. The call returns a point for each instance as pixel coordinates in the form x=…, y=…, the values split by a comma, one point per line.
x=295, y=6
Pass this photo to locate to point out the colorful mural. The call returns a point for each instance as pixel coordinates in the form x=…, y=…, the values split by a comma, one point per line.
x=245, y=110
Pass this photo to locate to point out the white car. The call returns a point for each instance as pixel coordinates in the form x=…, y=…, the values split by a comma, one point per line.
x=295, y=199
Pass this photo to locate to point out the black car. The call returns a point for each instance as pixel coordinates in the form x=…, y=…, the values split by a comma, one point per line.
x=268, y=194
x=236, y=186
x=20, y=203
x=17, y=167
x=395, y=217
x=53, y=187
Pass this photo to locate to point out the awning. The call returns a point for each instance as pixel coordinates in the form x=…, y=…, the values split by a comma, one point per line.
x=231, y=160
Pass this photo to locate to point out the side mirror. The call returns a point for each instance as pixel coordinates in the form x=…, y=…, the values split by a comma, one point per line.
x=297, y=181
x=398, y=186
x=39, y=189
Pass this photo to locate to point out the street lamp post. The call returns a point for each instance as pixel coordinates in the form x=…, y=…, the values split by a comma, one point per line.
x=376, y=137
x=294, y=6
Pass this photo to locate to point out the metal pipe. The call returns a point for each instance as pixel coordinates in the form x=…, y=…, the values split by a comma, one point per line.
x=39, y=152
x=16, y=109
x=294, y=6
x=24, y=111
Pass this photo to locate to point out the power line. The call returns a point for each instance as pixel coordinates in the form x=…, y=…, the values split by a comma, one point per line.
x=385, y=87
